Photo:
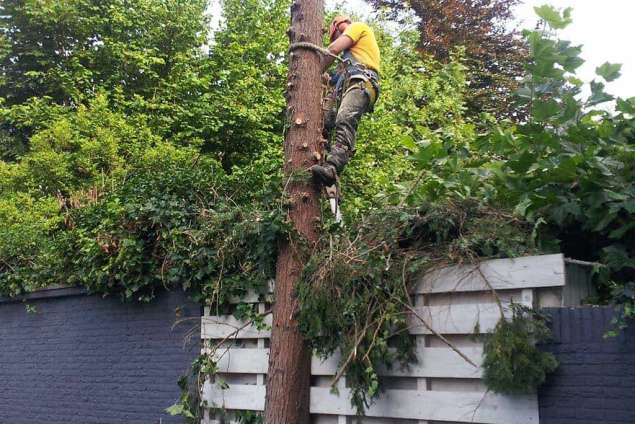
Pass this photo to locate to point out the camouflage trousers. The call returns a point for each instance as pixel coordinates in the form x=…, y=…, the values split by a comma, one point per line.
x=354, y=103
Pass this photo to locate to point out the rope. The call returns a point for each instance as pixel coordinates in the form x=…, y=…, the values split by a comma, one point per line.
x=315, y=48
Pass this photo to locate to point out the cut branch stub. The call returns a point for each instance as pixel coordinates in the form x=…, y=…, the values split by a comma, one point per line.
x=300, y=121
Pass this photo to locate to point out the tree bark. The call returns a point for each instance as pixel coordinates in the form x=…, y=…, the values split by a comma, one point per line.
x=289, y=376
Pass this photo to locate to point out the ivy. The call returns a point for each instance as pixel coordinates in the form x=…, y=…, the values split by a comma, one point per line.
x=624, y=299
x=189, y=404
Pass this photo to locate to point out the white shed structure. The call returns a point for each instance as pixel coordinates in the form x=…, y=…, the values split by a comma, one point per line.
x=441, y=387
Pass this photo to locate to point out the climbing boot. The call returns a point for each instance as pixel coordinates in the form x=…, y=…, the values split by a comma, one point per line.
x=325, y=175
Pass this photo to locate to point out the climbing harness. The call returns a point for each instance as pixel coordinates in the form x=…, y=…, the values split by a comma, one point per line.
x=357, y=75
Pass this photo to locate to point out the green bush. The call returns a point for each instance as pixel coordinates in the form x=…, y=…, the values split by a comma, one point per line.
x=29, y=255
x=513, y=364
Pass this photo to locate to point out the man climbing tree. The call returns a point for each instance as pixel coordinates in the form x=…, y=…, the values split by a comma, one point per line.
x=356, y=84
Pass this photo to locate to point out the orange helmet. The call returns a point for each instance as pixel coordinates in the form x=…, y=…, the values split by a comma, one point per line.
x=335, y=23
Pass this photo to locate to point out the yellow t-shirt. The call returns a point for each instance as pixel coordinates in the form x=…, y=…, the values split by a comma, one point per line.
x=365, y=50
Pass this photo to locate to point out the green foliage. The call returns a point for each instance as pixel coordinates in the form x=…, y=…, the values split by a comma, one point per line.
x=189, y=404
x=421, y=104
x=568, y=169
x=132, y=162
x=81, y=149
x=67, y=50
x=572, y=164
x=28, y=251
x=247, y=68
x=249, y=417
x=127, y=166
x=171, y=224
x=354, y=294
x=624, y=298
x=512, y=363
x=553, y=17
x=229, y=103
x=609, y=71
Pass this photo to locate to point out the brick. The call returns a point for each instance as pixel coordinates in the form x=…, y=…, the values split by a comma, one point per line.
x=595, y=382
x=84, y=360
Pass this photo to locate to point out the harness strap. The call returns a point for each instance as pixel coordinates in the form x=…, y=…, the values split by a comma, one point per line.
x=354, y=70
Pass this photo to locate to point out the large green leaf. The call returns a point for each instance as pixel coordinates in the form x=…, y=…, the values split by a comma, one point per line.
x=598, y=95
x=543, y=110
x=552, y=16
x=626, y=106
x=428, y=153
x=609, y=71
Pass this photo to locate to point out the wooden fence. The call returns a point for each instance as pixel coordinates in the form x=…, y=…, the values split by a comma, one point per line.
x=440, y=386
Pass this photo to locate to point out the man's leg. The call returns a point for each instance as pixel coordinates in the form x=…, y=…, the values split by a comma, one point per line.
x=354, y=104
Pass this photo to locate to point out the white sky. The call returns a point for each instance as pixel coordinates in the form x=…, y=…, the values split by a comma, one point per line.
x=605, y=29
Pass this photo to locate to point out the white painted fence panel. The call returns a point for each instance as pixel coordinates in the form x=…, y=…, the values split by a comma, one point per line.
x=220, y=327
x=456, y=319
x=439, y=387
x=431, y=362
x=501, y=274
x=445, y=319
x=476, y=407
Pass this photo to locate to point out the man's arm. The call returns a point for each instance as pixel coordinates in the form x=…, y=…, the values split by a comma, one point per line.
x=342, y=43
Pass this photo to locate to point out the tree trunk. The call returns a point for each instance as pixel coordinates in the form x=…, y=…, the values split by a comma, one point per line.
x=289, y=376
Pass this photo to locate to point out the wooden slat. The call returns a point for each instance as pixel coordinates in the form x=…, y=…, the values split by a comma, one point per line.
x=456, y=319
x=432, y=362
x=502, y=274
x=444, y=319
x=237, y=396
x=219, y=327
x=485, y=408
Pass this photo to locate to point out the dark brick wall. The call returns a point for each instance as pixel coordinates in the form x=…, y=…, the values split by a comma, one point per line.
x=82, y=359
x=595, y=382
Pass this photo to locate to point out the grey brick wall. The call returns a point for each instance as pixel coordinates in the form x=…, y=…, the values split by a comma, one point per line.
x=82, y=359
x=595, y=382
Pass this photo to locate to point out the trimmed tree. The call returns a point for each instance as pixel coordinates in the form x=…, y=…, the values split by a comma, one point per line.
x=289, y=376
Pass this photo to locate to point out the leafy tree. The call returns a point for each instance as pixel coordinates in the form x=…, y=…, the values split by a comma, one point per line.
x=568, y=169
x=29, y=257
x=493, y=54
x=572, y=164
x=233, y=103
x=66, y=50
x=61, y=53
x=80, y=150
